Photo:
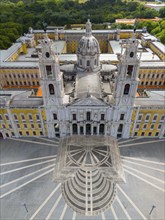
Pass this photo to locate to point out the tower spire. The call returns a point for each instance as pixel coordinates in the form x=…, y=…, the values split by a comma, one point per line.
x=88, y=28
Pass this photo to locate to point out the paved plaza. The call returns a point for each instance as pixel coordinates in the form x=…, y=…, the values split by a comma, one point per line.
x=29, y=192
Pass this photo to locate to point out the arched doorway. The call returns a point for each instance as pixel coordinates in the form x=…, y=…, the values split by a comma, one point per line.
x=1, y=135
x=101, y=129
x=74, y=128
x=88, y=129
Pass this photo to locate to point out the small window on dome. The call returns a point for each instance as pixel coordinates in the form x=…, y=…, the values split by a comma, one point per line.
x=47, y=54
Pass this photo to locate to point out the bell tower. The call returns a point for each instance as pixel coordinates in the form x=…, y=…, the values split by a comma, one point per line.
x=127, y=80
x=51, y=78
x=126, y=87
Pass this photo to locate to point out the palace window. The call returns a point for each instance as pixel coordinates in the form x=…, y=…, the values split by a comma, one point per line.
x=23, y=117
x=152, y=126
x=94, y=130
x=74, y=128
x=18, y=126
x=51, y=89
x=155, y=117
x=55, y=116
x=34, y=133
x=139, y=118
x=20, y=132
x=102, y=117
x=32, y=125
x=10, y=126
x=3, y=126
x=159, y=126
x=150, y=133
x=41, y=133
x=156, y=134
x=162, y=118
x=101, y=129
x=122, y=117
x=142, y=134
x=120, y=128
x=129, y=69
x=126, y=89
x=74, y=116
x=39, y=125
x=48, y=70
x=144, y=126
x=25, y=125
x=147, y=83
x=27, y=133
x=88, y=115
x=1, y=117
x=137, y=126
x=37, y=117
x=7, y=117
x=135, y=134
x=30, y=117
x=88, y=63
x=147, y=117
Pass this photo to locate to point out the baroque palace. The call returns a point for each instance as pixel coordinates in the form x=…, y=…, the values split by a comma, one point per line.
x=83, y=82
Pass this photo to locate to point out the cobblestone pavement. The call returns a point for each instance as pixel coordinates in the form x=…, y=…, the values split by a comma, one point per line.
x=28, y=191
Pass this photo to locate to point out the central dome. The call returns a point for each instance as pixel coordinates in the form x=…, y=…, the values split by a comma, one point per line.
x=88, y=52
x=88, y=44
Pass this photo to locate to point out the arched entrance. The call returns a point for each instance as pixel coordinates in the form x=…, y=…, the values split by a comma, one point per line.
x=1, y=135
x=88, y=129
x=74, y=128
x=101, y=129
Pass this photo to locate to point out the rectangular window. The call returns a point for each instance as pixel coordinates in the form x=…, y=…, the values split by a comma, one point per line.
x=147, y=117
x=55, y=116
x=156, y=134
x=159, y=126
x=41, y=133
x=34, y=133
x=142, y=134
x=152, y=126
x=88, y=116
x=150, y=133
x=139, y=117
x=102, y=116
x=74, y=116
x=162, y=118
x=27, y=133
x=88, y=63
x=30, y=117
x=15, y=117
x=23, y=117
x=122, y=117
x=135, y=134
x=10, y=126
x=144, y=126
x=1, y=117
x=20, y=132
x=48, y=70
x=37, y=117
x=12, y=133
x=7, y=117
x=155, y=117
x=25, y=125
x=32, y=125
x=137, y=126
x=18, y=126
x=3, y=126
x=120, y=128
x=39, y=125
x=130, y=69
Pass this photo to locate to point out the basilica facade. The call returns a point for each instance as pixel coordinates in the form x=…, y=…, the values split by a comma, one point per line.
x=92, y=101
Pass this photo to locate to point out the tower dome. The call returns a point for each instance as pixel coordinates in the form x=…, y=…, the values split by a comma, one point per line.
x=88, y=51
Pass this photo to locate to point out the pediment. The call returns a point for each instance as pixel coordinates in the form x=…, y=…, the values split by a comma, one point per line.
x=89, y=101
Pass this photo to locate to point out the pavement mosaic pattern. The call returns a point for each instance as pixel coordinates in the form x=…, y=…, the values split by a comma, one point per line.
x=29, y=192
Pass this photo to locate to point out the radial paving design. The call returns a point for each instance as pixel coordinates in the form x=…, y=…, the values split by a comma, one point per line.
x=28, y=192
x=89, y=192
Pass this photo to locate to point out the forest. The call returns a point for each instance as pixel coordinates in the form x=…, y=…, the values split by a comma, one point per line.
x=17, y=16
